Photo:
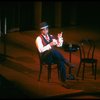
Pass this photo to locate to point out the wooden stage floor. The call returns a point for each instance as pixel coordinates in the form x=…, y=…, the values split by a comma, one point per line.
x=21, y=68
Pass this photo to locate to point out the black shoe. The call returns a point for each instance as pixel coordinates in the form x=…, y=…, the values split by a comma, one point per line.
x=66, y=84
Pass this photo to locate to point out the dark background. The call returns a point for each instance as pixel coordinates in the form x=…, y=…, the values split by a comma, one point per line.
x=21, y=14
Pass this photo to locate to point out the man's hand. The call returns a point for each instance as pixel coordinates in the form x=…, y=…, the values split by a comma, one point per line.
x=53, y=43
x=60, y=35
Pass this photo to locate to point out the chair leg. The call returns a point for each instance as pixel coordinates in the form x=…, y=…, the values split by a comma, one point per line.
x=95, y=71
x=83, y=71
x=70, y=70
x=40, y=72
x=49, y=72
x=93, y=68
x=58, y=72
x=78, y=70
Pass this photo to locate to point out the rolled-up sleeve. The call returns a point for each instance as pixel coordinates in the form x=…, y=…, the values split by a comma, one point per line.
x=40, y=46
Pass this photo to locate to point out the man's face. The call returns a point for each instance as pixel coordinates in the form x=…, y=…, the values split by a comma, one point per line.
x=44, y=31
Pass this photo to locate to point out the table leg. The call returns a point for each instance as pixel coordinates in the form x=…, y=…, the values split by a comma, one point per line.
x=71, y=76
x=70, y=62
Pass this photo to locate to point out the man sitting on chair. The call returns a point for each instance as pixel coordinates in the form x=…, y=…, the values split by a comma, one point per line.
x=45, y=43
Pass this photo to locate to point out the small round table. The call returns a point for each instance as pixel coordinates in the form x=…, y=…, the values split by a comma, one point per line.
x=68, y=47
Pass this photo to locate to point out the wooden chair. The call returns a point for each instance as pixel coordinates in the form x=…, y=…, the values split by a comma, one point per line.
x=87, y=48
x=49, y=67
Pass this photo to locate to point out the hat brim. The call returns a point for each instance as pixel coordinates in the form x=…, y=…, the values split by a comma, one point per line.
x=44, y=27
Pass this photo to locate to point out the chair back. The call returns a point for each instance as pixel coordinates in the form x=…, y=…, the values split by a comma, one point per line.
x=39, y=55
x=87, y=48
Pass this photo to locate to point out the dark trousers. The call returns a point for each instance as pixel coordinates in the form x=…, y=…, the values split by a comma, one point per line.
x=55, y=56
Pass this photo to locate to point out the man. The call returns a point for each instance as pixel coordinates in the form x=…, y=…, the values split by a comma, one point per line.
x=46, y=43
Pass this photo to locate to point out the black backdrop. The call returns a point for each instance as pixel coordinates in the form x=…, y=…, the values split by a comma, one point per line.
x=21, y=14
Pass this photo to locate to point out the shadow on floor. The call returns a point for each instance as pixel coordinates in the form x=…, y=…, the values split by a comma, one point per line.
x=16, y=66
x=10, y=90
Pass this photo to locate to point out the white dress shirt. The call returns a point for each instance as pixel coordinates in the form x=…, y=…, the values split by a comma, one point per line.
x=43, y=48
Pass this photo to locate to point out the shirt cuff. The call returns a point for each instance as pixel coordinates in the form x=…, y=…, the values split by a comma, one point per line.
x=49, y=47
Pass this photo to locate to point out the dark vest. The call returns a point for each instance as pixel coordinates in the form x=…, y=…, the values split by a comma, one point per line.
x=44, y=41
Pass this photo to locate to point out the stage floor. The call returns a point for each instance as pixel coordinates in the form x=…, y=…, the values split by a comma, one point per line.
x=21, y=67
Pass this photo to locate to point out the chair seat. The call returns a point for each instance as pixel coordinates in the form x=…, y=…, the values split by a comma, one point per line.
x=87, y=60
x=49, y=66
